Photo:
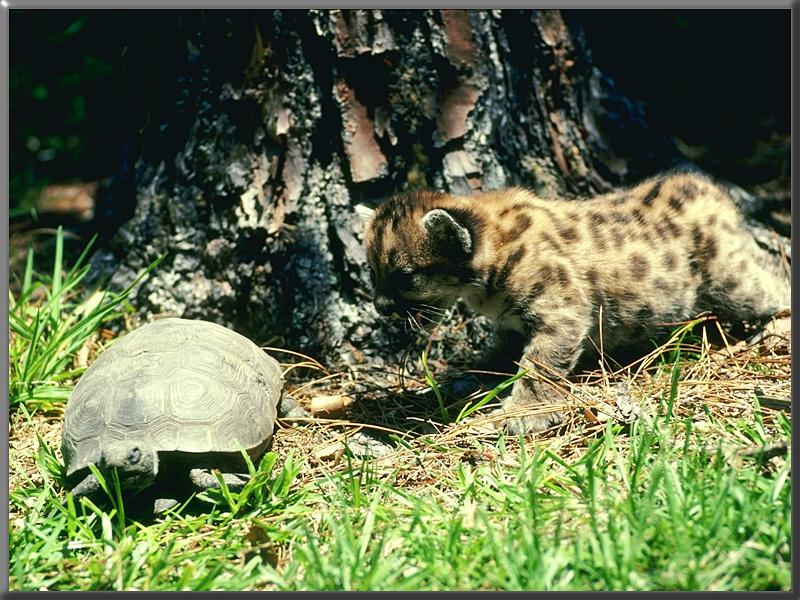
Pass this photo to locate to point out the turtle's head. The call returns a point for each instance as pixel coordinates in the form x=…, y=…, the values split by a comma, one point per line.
x=136, y=463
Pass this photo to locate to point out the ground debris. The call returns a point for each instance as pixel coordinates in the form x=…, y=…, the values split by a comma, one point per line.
x=330, y=405
x=617, y=404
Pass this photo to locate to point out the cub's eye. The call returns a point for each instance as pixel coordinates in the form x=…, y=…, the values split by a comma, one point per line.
x=400, y=279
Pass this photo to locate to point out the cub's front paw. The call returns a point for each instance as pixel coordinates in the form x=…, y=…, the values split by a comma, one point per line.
x=528, y=424
x=529, y=409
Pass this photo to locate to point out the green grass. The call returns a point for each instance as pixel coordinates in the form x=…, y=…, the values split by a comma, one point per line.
x=648, y=510
x=49, y=322
x=659, y=505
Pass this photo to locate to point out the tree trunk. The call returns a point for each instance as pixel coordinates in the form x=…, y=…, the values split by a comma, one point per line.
x=271, y=126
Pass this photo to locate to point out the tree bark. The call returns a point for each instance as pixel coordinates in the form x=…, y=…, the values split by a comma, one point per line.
x=270, y=127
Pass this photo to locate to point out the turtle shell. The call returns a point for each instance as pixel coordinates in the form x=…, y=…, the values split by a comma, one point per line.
x=175, y=385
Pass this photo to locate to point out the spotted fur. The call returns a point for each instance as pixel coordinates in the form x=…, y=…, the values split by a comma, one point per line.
x=661, y=252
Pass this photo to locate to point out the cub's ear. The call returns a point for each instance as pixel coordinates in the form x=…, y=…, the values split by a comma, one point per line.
x=445, y=234
x=364, y=212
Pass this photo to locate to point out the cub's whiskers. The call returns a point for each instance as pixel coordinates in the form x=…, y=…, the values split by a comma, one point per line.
x=412, y=320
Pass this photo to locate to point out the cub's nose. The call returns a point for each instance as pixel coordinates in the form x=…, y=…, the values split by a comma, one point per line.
x=385, y=305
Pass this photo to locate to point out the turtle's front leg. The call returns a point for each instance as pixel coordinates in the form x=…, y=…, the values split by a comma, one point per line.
x=161, y=505
x=203, y=479
x=88, y=486
x=288, y=408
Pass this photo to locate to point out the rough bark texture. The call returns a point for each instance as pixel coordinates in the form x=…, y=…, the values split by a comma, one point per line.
x=272, y=126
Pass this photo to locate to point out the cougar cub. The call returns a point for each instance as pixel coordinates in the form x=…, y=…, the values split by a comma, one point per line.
x=660, y=252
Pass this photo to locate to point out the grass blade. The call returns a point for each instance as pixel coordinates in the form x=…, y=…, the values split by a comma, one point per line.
x=429, y=379
x=471, y=408
x=28, y=276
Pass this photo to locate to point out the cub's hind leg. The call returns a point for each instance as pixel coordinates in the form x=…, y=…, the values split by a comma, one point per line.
x=744, y=281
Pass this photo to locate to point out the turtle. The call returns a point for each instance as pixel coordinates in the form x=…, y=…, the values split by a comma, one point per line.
x=169, y=403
